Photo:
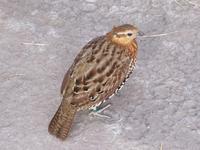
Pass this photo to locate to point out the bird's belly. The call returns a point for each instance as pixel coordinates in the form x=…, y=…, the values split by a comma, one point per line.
x=102, y=100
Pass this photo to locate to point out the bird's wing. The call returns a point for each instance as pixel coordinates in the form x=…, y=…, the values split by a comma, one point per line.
x=79, y=61
x=98, y=70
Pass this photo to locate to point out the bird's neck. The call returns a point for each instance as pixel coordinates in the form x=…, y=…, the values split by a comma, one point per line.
x=133, y=49
x=131, y=46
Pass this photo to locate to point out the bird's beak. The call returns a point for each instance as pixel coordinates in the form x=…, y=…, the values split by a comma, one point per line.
x=140, y=33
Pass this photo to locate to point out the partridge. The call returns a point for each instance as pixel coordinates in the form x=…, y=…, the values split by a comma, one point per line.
x=98, y=71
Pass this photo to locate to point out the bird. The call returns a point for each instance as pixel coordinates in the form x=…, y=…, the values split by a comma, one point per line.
x=98, y=71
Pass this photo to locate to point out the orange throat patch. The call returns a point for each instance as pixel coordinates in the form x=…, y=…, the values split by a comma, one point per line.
x=131, y=45
x=133, y=49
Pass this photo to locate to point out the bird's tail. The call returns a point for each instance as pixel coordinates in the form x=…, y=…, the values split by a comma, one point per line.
x=62, y=120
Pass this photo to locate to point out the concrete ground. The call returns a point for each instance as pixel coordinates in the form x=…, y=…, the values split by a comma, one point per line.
x=158, y=108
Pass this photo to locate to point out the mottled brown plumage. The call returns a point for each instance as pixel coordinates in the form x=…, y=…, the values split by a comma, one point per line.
x=98, y=71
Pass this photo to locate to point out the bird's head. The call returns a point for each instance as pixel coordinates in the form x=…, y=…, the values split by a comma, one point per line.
x=123, y=35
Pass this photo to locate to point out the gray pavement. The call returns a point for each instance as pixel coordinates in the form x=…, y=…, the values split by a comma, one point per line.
x=157, y=109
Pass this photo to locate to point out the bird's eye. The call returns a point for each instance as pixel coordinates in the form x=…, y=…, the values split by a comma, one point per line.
x=129, y=34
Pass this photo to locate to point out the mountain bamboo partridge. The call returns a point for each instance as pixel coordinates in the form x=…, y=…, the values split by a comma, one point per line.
x=98, y=71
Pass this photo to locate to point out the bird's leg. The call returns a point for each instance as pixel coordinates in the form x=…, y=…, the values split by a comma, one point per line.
x=97, y=110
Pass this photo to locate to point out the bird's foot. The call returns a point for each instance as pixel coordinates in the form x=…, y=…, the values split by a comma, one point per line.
x=96, y=111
